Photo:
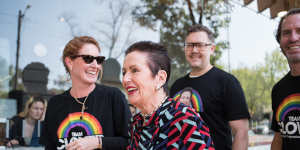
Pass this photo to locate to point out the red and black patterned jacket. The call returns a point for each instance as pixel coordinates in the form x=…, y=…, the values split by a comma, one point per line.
x=172, y=126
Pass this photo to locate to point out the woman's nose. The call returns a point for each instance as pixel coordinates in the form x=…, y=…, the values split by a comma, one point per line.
x=125, y=78
x=94, y=62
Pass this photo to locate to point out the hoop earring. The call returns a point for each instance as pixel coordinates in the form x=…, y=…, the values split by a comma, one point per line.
x=100, y=75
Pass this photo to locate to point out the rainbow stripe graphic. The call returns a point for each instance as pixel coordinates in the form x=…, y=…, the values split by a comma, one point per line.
x=290, y=103
x=89, y=123
x=197, y=103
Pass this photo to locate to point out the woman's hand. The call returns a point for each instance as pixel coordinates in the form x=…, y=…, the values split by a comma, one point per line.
x=12, y=143
x=86, y=143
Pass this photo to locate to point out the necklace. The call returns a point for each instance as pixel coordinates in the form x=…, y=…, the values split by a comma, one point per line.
x=83, y=106
x=150, y=114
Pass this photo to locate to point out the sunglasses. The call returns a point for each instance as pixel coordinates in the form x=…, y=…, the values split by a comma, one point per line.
x=89, y=59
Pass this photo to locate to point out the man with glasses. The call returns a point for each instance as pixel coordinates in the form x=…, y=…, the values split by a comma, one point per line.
x=224, y=105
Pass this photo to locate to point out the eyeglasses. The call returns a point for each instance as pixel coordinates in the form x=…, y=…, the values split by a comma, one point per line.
x=200, y=45
x=89, y=59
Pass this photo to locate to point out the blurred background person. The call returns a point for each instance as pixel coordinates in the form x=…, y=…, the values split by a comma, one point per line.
x=162, y=122
x=26, y=127
x=88, y=115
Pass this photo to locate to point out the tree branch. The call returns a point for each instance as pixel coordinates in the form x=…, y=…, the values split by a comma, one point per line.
x=201, y=9
x=191, y=11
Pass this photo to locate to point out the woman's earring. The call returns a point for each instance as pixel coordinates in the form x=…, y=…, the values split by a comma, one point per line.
x=158, y=87
x=100, y=75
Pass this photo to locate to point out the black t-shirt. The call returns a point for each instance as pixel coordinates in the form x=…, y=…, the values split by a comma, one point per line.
x=220, y=99
x=286, y=111
x=107, y=115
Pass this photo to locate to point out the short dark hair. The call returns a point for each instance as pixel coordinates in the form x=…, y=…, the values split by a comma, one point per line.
x=202, y=28
x=158, y=58
x=292, y=11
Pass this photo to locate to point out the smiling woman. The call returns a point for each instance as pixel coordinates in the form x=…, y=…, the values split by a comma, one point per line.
x=88, y=115
x=162, y=123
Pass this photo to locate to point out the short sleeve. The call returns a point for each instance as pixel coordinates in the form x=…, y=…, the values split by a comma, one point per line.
x=235, y=102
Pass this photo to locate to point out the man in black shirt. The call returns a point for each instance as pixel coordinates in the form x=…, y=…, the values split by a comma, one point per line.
x=217, y=95
x=286, y=93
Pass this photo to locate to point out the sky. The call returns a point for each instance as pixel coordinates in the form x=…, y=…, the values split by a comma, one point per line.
x=43, y=35
x=251, y=36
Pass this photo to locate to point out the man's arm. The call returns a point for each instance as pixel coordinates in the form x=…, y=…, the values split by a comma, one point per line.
x=240, y=134
x=277, y=142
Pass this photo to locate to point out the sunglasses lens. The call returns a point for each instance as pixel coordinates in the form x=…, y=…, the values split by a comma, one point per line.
x=88, y=59
x=100, y=59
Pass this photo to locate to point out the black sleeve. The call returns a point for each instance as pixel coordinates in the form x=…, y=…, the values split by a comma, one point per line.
x=235, y=104
x=121, y=116
x=45, y=138
x=15, y=131
x=274, y=126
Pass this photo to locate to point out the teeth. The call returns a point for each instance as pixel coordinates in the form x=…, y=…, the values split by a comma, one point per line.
x=131, y=89
x=93, y=73
x=294, y=47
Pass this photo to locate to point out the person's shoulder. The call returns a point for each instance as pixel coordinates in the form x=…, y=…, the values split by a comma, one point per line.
x=107, y=89
x=222, y=76
x=17, y=118
x=58, y=96
x=111, y=93
x=221, y=72
x=179, y=80
x=54, y=100
x=182, y=78
x=283, y=80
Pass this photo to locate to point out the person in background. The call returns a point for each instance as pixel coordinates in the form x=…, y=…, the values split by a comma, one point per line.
x=224, y=106
x=186, y=96
x=88, y=115
x=162, y=122
x=26, y=127
x=286, y=92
